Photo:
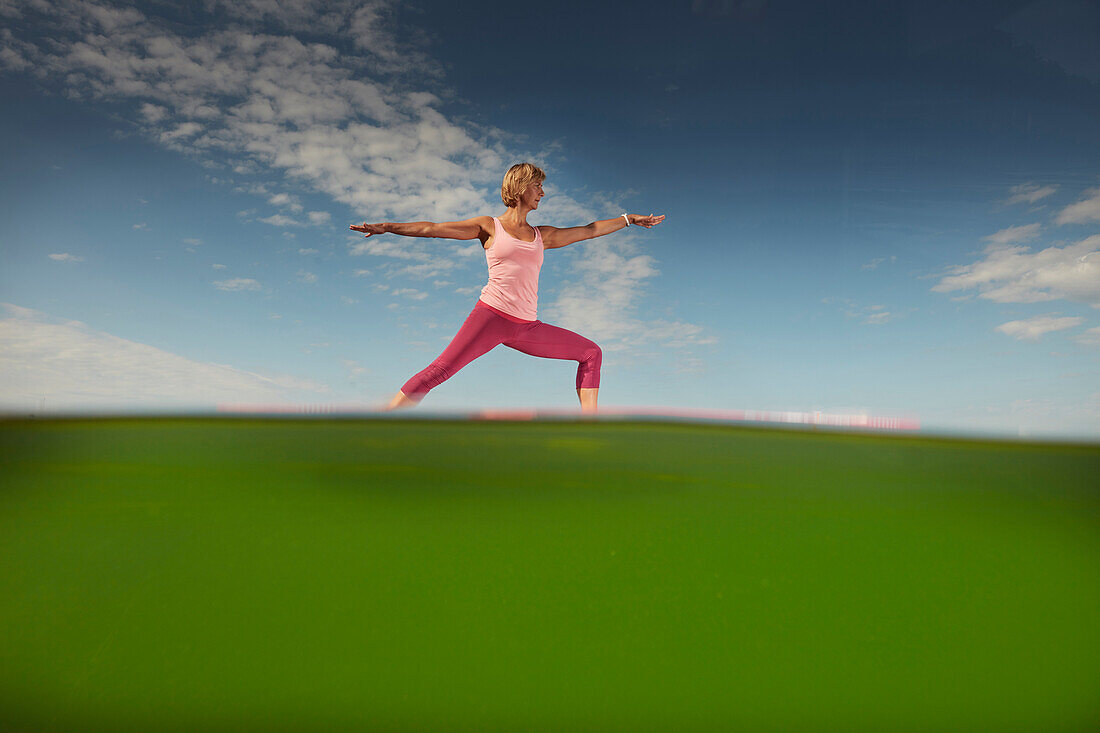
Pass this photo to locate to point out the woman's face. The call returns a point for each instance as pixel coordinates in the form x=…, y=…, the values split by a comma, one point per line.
x=532, y=194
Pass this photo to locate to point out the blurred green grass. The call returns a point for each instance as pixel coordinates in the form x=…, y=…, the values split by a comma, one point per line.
x=229, y=574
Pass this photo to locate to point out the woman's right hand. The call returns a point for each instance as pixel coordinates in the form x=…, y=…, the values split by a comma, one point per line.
x=368, y=229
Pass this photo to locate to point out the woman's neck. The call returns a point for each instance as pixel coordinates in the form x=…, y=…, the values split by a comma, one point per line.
x=516, y=215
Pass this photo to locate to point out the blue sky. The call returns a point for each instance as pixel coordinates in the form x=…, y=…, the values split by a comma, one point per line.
x=881, y=208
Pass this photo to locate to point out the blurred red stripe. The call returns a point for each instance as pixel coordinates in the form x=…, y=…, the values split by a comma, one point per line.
x=858, y=420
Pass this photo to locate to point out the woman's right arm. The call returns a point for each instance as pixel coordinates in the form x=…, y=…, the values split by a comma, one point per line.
x=468, y=229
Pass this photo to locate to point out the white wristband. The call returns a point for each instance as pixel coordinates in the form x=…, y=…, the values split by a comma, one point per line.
x=627, y=219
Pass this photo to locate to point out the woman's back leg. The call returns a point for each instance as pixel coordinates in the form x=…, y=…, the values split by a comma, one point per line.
x=480, y=333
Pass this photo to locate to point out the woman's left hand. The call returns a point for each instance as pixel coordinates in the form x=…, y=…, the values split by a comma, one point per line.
x=646, y=221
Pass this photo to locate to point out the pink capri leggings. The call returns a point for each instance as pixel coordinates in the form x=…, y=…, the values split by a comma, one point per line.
x=485, y=328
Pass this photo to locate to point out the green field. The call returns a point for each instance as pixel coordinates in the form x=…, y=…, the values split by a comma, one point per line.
x=230, y=574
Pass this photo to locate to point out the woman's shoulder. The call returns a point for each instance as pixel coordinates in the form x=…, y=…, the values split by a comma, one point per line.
x=488, y=224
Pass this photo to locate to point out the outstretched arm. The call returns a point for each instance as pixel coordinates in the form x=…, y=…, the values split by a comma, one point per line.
x=468, y=229
x=553, y=237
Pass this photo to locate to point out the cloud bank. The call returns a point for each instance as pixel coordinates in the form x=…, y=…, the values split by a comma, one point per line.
x=1014, y=274
x=343, y=116
x=65, y=365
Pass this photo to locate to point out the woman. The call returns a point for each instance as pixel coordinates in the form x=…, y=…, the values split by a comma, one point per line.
x=505, y=312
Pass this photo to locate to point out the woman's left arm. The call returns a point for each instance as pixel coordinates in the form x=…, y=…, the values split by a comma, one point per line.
x=553, y=237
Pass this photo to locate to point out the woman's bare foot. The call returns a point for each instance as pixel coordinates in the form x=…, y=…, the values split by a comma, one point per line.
x=399, y=401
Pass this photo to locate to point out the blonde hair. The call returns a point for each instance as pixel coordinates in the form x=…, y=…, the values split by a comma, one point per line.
x=516, y=181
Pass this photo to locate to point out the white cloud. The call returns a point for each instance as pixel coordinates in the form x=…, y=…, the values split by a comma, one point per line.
x=256, y=189
x=153, y=112
x=1023, y=233
x=308, y=252
x=355, y=372
x=878, y=316
x=218, y=267
x=433, y=268
x=871, y=315
x=66, y=257
x=286, y=200
x=12, y=55
x=193, y=241
x=1013, y=274
x=319, y=217
x=1029, y=193
x=1032, y=329
x=600, y=300
x=238, y=283
x=1090, y=337
x=873, y=264
x=306, y=277
x=401, y=248
x=600, y=305
x=142, y=225
x=411, y=293
x=1085, y=210
x=182, y=130
x=74, y=367
x=278, y=220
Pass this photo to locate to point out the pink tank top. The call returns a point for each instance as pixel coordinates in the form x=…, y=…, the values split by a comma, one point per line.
x=514, y=266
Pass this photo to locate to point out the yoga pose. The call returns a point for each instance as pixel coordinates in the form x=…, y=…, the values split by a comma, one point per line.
x=505, y=312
